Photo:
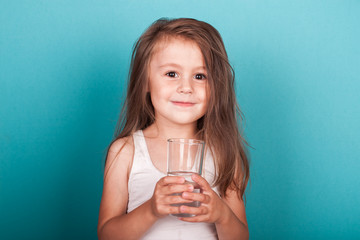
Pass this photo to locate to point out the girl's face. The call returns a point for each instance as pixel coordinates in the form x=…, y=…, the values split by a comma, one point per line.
x=178, y=82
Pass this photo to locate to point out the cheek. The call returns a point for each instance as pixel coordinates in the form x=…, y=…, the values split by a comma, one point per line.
x=204, y=98
x=160, y=92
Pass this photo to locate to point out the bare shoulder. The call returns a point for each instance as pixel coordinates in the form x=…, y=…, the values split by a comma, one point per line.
x=115, y=191
x=120, y=155
x=122, y=145
x=236, y=205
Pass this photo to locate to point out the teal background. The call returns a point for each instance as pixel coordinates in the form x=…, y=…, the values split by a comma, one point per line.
x=63, y=66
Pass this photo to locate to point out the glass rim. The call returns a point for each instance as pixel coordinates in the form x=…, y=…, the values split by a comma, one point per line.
x=185, y=141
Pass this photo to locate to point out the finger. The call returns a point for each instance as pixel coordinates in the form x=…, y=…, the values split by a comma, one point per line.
x=203, y=198
x=165, y=210
x=200, y=218
x=201, y=181
x=178, y=188
x=193, y=210
x=173, y=210
x=171, y=180
x=175, y=199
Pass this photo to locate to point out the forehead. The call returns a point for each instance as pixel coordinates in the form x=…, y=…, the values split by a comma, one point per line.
x=177, y=50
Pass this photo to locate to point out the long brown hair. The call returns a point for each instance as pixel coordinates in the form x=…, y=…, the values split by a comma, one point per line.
x=220, y=125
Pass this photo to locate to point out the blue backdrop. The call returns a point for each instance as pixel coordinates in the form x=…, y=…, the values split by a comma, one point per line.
x=63, y=67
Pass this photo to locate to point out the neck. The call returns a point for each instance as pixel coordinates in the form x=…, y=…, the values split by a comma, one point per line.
x=163, y=131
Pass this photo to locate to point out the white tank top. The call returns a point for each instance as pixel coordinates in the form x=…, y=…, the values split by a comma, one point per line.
x=142, y=180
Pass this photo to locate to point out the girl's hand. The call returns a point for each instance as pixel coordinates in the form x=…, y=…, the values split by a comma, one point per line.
x=163, y=195
x=212, y=207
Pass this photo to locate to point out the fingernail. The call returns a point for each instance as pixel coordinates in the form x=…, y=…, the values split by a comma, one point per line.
x=191, y=188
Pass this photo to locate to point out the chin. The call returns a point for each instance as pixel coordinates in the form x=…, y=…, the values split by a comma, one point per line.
x=185, y=121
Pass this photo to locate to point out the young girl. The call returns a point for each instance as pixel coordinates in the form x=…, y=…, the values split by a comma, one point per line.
x=181, y=85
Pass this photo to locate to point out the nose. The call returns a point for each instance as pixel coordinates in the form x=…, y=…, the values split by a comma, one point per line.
x=185, y=85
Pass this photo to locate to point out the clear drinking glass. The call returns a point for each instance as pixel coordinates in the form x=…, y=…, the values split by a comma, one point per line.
x=185, y=157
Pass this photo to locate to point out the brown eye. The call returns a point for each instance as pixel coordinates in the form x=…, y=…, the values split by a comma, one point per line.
x=200, y=77
x=171, y=74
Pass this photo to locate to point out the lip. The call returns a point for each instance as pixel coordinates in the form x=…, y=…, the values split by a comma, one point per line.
x=183, y=104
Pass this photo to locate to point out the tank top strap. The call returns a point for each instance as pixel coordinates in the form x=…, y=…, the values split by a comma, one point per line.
x=141, y=153
x=143, y=174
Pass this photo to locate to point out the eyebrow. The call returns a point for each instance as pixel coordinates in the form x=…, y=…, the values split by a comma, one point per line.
x=178, y=66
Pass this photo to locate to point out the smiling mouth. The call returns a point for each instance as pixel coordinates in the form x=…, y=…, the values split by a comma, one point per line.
x=183, y=104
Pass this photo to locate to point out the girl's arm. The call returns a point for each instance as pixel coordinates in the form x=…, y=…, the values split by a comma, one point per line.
x=228, y=213
x=112, y=215
x=114, y=223
x=234, y=213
